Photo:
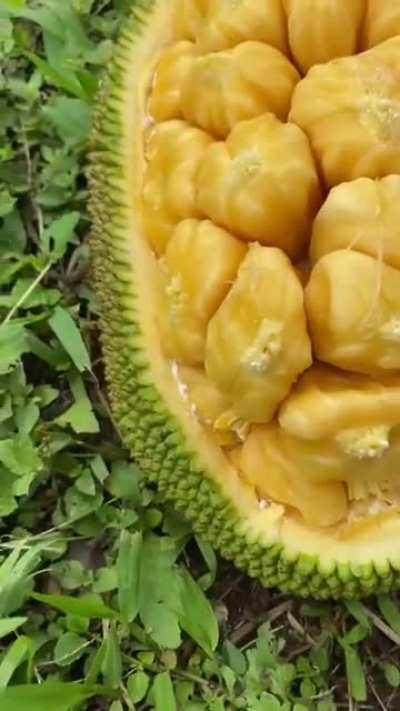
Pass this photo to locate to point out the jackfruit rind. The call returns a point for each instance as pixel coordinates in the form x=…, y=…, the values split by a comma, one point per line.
x=166, y=442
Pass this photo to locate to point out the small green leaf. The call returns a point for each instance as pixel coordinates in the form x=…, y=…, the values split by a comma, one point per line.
x=128, y=572
x=392, y=675
x=95, y=665
x=138, y=685
x=116, y=706
x=235, y=658
x=71, y=118
x=13, y=343
x=163, y=693
x=355, y=674
x=70, y=338
x=161, y=623
x=68, y=649
x=51, y=696
x=60, y=233
x=86, y=606
x=196, y=615
x=79, y=416
x=10, y=624
x=19, y=455
x=356, y=635
x=112, y=663
x=13, y=658
x=357, y=609
x=390, y=611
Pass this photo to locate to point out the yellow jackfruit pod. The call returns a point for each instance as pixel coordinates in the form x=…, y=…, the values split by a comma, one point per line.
x=269, y=462
x=173, y=68
x=257, y=342
x=363, y=215
x=199, y=266
x=223, y=88
x=353, y=309
x=349, y=108
x=188, y=17
x=173, y=153
x=209, y=405
x=321, y=30
x=228, y=23
x=327, y=401
x=382, y=22
x=261, y=184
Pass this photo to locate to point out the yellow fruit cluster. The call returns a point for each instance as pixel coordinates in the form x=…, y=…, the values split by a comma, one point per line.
x=271, y=198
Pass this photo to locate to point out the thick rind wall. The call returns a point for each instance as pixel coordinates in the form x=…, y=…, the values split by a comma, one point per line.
x=154, y=437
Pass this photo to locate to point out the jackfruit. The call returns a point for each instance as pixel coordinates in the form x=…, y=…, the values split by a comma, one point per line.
x=251, y=337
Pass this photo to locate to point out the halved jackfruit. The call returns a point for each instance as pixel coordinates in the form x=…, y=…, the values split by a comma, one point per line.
x=297, y=482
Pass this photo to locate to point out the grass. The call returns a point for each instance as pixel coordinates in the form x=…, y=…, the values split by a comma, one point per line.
x=107, y=600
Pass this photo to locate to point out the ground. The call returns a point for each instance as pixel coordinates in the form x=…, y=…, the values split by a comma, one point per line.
x=107, y=601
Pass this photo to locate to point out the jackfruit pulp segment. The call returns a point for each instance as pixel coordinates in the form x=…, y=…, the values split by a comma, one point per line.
x=257, y=342
x=382, y=22
x=228, y=23
x=208, y=404
x=327, y=401
x=320, y=30
x=173, y=152
x=261, y=184
x=199, y=266
x=350, y=110
x=273, y=470
x=363, y=215
x=353, y=309
x=217, y=90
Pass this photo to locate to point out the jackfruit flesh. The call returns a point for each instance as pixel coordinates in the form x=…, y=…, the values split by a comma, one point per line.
x=381, y=23
x=191, y=295
x=261, y=184
x=363, y=215
x=272, y=468
x=327, y=401
x=257, y=342
x=215, y=91
x=188, y=17
x=174, y=150
x=353, y=309
x=350, y=110
x=228, y=23
x=320, y=30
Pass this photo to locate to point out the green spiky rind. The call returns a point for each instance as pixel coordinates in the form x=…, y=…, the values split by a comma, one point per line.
x=153, y=435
